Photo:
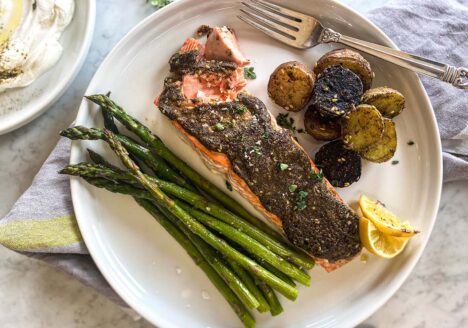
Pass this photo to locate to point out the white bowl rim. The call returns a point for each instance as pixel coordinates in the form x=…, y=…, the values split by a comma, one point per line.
x=23, y=117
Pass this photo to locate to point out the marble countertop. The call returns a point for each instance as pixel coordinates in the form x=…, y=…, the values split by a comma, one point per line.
x=35, y=295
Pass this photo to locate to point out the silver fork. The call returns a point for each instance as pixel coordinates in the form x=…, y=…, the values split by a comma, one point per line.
x=302, y=31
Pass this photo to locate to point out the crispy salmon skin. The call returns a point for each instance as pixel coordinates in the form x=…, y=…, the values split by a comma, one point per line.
x=235, y=134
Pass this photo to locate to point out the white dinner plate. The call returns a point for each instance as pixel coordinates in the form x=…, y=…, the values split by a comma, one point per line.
x=151, y=272
x=20, y=106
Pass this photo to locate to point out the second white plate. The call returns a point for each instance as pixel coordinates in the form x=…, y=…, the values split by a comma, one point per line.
x=21, y=105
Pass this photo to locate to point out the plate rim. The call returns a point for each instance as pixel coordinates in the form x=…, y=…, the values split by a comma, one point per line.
x=75, y=182
x=60, y=88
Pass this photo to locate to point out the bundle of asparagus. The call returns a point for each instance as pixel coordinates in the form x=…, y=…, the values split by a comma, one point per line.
x=243, y=257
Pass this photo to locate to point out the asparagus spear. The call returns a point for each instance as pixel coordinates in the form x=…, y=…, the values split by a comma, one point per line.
x=250, y=283
x=275, y=271
x=109, y=119
x=98, y=159
x=235, y=303
x=154, y=162
x=203, y=204
x=275, y=305
x=160, y=148
x=250, y=244
x=196, y=227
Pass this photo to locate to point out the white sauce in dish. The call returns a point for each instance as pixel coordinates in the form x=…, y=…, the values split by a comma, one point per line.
x=29, y=38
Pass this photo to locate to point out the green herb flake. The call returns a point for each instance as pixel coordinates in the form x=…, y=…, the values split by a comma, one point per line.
x=292, y=187
x=395, y=162
x=283, y=166
x=249, y=73
x=287, y=122
x=219, y=126
x=241, y=109
x=317, y=175
x=257, y=150
x=34, y=5
x=265, y=135
x=410, y=143
x=159, y=3
x=301, y=200
x=228, y=185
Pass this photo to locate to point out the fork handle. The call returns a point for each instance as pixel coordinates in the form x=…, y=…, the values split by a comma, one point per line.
x=458, y=77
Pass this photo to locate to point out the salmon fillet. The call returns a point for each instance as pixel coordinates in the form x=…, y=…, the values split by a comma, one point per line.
x=236, y=136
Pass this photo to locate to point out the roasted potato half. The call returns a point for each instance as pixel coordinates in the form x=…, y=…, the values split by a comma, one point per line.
x=387, y=100
x=340, y=166
x=350, y=59
x=362, y=128
x=291, y=85
x=386, y=147
x=321, y=128
x=336, y=91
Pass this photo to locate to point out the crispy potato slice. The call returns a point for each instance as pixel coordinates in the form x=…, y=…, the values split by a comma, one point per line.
x=388, y=101
x=386, y=147
x=340, y=166
x=351, y=60
x=336, y=91
x=321, y=128
x=362, y=128
x=291, y=85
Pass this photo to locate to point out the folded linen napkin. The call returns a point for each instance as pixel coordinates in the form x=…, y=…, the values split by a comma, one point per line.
x=42, y=224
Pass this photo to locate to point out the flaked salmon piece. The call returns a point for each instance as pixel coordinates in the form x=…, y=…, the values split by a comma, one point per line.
x=192, y=44
x=222, y=44
x=248, y=150
x=207, y=86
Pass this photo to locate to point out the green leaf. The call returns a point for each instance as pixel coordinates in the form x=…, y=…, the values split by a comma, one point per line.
x=283, y=166
x=159, y=3
x=249, y=73
x=219, y=126
x=292, y=188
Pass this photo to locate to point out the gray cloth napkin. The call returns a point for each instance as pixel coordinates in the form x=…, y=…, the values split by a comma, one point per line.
x=42, y=225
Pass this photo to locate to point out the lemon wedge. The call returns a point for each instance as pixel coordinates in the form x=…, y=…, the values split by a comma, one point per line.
x=379, y=243
x=384, y=220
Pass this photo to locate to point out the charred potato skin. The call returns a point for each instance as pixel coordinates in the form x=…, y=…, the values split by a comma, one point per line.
x=341, y=166
x=321, y=128
x=362, y=128
x=349, y=59
x=388, y=101
x=337, y=90
x=386, y=147
x=290, y=85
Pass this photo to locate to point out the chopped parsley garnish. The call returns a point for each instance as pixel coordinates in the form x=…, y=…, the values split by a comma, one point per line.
x=228, y=185
x=410, y=143
x=219, y=126
x=317, y=175
x=395, y=162
x=283, y=166
x=292, y=187
x=249, y=73
x=265, y=135
x=241, y=109
x=301, y=200
x=257, y=150
x=159, y=3
x=34, y=5
x=287, y=122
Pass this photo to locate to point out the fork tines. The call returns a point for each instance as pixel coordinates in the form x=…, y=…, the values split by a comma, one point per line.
x=278, y=22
